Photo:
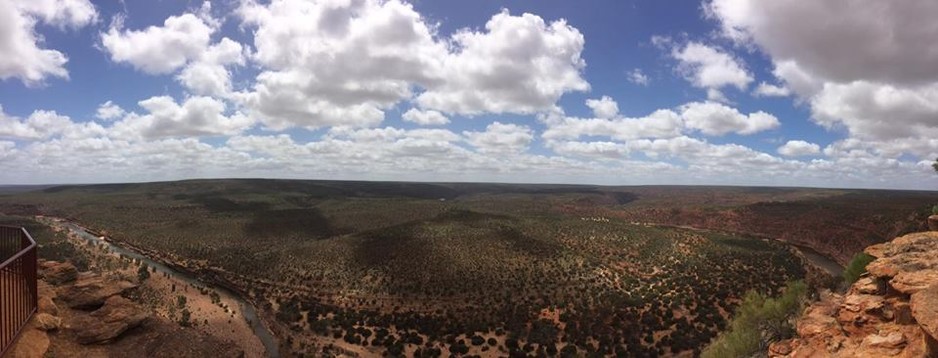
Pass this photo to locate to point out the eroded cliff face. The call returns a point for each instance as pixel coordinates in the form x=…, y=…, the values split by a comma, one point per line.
x=892, y=312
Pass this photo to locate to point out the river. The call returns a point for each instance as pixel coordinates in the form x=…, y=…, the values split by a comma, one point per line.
x=812, y=256
x=247, y=310
x=819, y=260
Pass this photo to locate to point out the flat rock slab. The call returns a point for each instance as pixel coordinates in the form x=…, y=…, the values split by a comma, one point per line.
x=908, y=262
x=56, y=273
x=110, y=321
x=925, y=309
x=91, y=291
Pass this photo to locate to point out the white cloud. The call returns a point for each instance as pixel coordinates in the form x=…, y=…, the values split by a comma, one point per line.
x=159, y=49
x=709, y=118
x=601, y=149
x=770, y=90
x=23, y=57
x=109, y=111
x=39, y=125
x=710, y=68
x=520, y=64
x=209, y=75
x=840, y=40
x=662, y=123
x=797, y=148
x=638, y=77
x=425, y=118
x=604, y=107
x=334, y=64
x=501, y=138
x=197, y=116
x=865, y=66
x=716, y=119
x=183, y=41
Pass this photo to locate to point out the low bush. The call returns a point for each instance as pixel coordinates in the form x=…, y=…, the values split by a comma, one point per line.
x=857, y=267
x=758, y=321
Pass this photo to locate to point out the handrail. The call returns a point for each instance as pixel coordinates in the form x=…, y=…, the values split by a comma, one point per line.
x=23, y=251
x=18, y=284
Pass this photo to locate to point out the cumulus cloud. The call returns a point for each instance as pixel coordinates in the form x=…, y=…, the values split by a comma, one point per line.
x=159, y=49
x=40, y=124
x=638, y=77
x=717, y=119
x=501, y=138
x=710, y=68
x=425, y=118
x=797, y=148
x=659, y=124
x=709, y=118
x=600, y=149
x=196, y=116
x=770, y=90
x=331, y=64
x=520, y=64
x=842, y=40
x=109, y=111
x=182, y=42
x=865, y=66
x=209, y=74
x=23, y=56
x=604, y=107
x=343, y=64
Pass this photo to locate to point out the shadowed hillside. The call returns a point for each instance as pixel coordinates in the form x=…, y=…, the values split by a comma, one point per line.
x=424, y=268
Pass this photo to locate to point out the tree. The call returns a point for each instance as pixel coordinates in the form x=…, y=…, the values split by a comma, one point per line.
x=935, y=165
x=186, y=316
x=857, y=267
x=143, y=273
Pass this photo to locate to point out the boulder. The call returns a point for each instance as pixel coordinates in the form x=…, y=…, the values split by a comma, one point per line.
x=870, y=286
x=110, y=321
x=891, y=340
x=47, y=322
x=780, y=348
x=924, y=306
x=32, y=343
x=47, y=306
x=91, y=291
x=908, y=262
x=933, y=223
x=59, y=273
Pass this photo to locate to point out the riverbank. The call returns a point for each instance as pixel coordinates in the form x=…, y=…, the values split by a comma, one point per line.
x=815, y=259
x=184, y=296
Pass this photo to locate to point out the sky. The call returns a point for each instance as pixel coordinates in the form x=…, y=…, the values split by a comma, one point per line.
x=839, y=93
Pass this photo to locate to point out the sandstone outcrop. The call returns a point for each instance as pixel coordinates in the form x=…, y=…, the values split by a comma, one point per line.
x=891, y=312
x=117, y=328
x=58, y=273
x=90, y=291
x=108, y=322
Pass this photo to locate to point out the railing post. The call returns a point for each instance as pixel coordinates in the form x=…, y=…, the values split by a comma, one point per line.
x=18, y=286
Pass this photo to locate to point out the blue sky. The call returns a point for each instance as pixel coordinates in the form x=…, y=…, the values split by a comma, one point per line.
x=725, y=92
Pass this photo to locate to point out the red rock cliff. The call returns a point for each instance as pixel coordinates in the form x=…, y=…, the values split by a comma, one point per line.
x=892, y=312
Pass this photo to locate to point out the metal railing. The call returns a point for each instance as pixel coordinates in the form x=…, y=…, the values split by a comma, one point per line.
x=18, y=289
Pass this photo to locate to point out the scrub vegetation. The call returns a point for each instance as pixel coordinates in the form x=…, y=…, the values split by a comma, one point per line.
x=436, y=269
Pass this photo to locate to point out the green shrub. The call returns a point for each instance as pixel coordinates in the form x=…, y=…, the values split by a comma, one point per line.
x=758, y=317
x=856, y=267
x=143, y=273
x=934, y=210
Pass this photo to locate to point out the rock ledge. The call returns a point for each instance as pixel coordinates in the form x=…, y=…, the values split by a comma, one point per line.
x=891, y=312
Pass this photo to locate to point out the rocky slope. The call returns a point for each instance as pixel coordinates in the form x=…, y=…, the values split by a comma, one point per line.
x=891, y=312
x=86, y=314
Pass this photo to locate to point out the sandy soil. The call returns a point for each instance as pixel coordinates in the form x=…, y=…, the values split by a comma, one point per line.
x=224, y=319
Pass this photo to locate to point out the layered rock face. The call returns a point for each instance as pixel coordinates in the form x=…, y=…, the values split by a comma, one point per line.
x=892, y=312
